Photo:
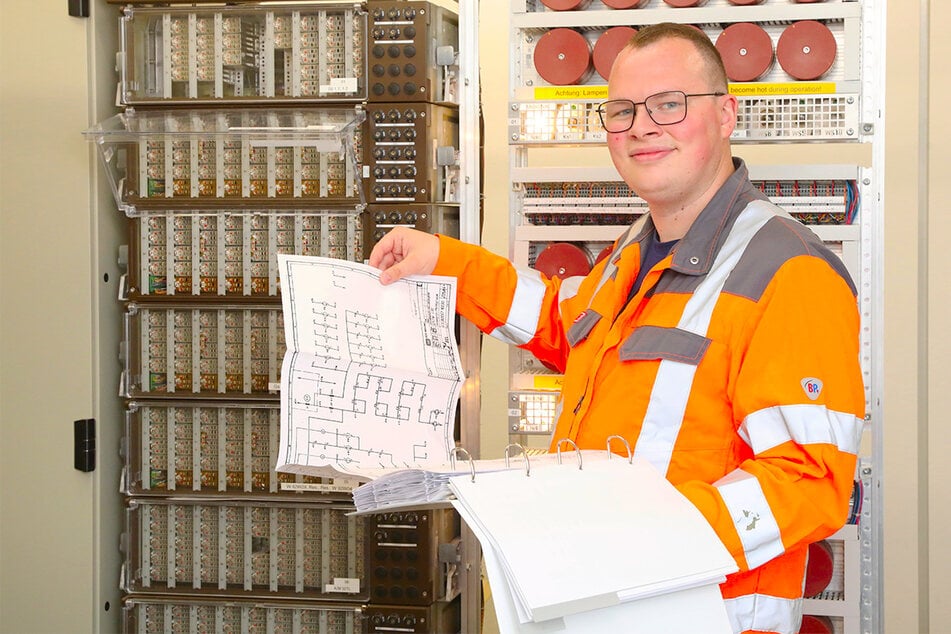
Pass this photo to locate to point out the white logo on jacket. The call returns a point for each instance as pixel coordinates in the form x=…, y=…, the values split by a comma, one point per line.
x=812, y=387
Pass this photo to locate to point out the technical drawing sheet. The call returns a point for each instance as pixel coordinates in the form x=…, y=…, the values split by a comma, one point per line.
x=372, y=374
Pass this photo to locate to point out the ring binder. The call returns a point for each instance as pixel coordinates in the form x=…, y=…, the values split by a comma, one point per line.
x=627, y=445
x=452, y=460
x=528, y=464
x=573, y=444
x=418, y=487
x=661, y=575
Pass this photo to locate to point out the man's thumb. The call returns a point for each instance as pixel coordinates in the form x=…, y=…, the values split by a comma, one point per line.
x=390, y=275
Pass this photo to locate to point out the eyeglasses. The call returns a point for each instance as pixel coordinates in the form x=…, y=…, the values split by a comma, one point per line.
x=664, y=108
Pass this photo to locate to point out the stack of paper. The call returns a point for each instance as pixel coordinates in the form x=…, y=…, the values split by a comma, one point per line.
x=408, y=487
x=570, y=548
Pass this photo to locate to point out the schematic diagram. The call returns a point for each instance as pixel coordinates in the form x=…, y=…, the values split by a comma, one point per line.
x=372, y=374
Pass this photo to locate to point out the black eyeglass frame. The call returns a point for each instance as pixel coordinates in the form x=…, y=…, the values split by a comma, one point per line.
x=635, y=104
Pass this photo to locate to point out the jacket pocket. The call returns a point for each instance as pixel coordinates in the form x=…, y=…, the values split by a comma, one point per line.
x=582, y=327
x=656, y=342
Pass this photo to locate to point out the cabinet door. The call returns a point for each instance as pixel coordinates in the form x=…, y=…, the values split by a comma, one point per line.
x=53, y=566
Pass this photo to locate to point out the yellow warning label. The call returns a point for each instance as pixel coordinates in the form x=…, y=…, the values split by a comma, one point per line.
x=799, y=88
x=550, y=382
x=549, y=93
x=753, y=89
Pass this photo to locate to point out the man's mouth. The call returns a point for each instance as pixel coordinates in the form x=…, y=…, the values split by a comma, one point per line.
x=650, y=154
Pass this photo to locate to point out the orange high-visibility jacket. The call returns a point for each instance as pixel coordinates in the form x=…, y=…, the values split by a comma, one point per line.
x=734, y=370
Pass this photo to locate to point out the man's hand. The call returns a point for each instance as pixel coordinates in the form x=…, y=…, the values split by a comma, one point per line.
x=403, y=252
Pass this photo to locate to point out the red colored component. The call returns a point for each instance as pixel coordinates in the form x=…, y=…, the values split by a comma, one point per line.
x=605, y=252
x=747, y=51
x=806, y=49
x=816, y=625
x=562, y=57
x=744, y=2
x=608, y=46
x=818, y=568
x=623, y=4
x=561, y=259
x=684, y=3
x=565, y=5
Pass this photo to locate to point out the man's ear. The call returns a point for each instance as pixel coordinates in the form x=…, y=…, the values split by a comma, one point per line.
x=728, y=115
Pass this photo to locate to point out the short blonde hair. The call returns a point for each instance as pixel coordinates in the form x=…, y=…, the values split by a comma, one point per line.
x=669, y=30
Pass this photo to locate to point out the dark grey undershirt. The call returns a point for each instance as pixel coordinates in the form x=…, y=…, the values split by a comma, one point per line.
x=654, y=252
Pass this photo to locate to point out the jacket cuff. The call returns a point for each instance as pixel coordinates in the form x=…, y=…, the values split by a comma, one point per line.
x=453, y=256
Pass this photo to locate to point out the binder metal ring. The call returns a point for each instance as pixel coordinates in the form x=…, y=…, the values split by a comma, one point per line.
x=573, y=444
x=528, y=464
x=452, y=460
x=627, y=445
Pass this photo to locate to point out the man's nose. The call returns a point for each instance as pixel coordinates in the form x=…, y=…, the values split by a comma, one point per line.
x=642, y=124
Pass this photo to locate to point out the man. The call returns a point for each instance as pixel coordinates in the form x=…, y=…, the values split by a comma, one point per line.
x=720, y=338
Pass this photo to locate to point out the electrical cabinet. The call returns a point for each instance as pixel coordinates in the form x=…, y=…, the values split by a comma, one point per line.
x=249, y=130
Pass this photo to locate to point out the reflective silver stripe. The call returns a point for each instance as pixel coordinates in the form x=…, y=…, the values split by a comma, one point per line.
x=674, y=381
x=665, y=413
x=752, y=517
x=804, y=424
x=764, y=613
x=569, y=288
x=526, y=309
x=610, y=268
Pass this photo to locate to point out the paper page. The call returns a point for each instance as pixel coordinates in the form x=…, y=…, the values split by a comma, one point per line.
x=699, y=609
x=573, y=540
x=372, y=373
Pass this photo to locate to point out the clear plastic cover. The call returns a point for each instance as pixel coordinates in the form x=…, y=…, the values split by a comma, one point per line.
x=216, y=158
x=158, y=615
x=232, y=253
x=214, y=350
x=178, y=447
x=314, y=52
x=268, y=549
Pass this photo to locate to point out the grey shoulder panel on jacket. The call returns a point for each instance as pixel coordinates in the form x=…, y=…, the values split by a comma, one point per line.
x=778, y=241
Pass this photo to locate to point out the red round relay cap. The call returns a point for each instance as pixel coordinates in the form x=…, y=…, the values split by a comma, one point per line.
x=608, y=46
x=812, y=624
x=562, y=259
x=747, y=51
x=562, y=57
x=818, y=568
x=565, y=5
x=806, y=49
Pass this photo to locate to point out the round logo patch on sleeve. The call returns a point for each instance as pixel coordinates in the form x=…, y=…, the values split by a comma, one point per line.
x=812, y=387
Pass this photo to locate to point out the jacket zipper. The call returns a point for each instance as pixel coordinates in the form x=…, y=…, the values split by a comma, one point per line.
x=580, y=401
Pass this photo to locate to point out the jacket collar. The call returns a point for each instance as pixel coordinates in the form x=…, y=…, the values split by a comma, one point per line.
x=696, y=251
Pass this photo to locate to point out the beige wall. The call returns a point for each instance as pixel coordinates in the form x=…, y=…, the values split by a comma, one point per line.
x=938, y=347
x=905, y=583
x=917, y=311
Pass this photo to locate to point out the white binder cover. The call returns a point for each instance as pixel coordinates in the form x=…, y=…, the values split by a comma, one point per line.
x=688, y=611
x=570, y=540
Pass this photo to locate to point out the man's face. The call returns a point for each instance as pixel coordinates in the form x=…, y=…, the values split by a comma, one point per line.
x=671, y=165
